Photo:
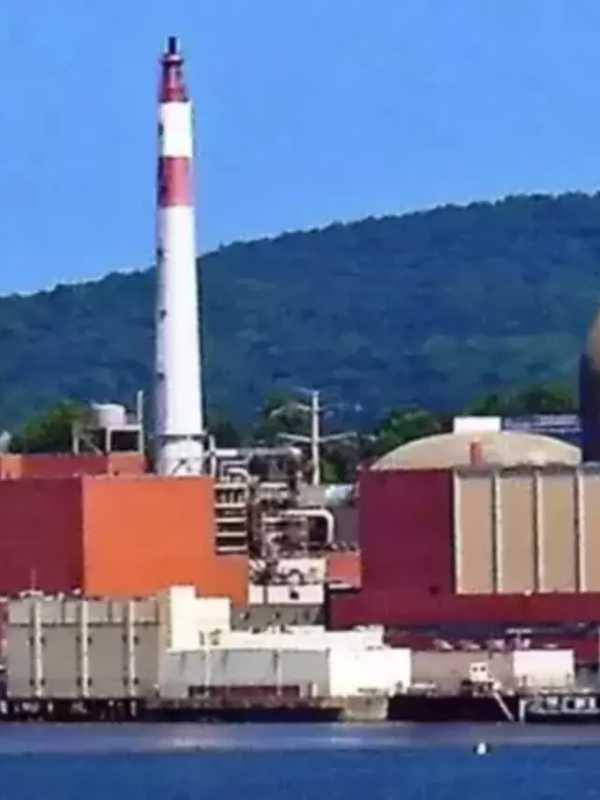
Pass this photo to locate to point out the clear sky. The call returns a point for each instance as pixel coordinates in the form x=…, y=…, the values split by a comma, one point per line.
x=307, y=111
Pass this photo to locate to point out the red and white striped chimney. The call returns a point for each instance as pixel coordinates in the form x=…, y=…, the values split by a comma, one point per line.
x=178, y=403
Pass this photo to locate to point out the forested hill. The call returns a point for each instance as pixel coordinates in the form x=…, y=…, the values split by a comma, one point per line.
x=433, y=308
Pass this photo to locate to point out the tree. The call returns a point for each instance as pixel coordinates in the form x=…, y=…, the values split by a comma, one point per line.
x=405, y=425
x=51, y=432
x=544, y=398
x=222, y=428
x=339, y=461
x=280, y=415
x=549, y=398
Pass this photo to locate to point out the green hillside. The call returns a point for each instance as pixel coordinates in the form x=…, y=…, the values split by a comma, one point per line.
x=434, y=308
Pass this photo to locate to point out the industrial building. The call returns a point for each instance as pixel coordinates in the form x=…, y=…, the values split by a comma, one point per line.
x=95, y=521
x=176, y=645
x=491, y=544
x=222, y=571
x=114, y=536
x=179, y=647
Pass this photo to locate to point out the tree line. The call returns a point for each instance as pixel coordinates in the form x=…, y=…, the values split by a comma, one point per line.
x=50, y=432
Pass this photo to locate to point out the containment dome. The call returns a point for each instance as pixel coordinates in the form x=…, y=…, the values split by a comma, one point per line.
x=500, y=448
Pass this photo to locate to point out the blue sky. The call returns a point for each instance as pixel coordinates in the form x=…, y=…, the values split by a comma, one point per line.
x=307, y=111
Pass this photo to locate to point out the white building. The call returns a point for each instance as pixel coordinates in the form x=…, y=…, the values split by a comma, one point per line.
x=203, y=654
x=324, y=672
x=177, y=644
x=508, y=670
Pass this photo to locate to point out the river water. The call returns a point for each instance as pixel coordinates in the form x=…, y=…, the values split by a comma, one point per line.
x=302, y=762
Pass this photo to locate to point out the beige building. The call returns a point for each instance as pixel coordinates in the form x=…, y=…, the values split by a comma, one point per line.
x=73, y=648
x=527, y=530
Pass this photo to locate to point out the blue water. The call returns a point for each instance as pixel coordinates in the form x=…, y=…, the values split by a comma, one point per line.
x=300, y=762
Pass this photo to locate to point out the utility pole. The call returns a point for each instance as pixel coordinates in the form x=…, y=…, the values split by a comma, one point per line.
x=315, y=440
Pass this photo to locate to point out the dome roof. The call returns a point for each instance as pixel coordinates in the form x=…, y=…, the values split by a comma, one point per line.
x=503, y=448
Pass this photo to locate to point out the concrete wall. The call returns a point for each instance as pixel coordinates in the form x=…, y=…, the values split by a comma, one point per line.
x=185, y=616
x=302, y=638
x=287, y=594
x=20, y=662
x=533, y=668
x=543, y=668
x=474, y=535
x=321, y=672
x=530, y=531
x=515, y=554
x=68, y=649
x=197, y=670
x=366, y=671
x=60, y=655
x=445, y=669
x=106, y=648
x=261, y=617
x=589, y=531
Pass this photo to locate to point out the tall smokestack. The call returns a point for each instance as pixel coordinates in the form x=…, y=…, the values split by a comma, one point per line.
x=179, y=424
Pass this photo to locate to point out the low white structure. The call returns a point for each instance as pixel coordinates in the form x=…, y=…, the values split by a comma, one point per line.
x=177, y=644
x=306, y=672
x=311, y=637
x=186, y=618
x=511, y=669
x=476, y=424
x=286, y=594
x=205, y=655
x=543, y=668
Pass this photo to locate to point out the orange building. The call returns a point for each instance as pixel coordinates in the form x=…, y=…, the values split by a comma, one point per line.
x=114, y=536
x=66, y=465
x=344, y=568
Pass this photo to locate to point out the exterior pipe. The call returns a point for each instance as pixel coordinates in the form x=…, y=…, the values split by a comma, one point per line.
x=314, y=513
x=240, y=472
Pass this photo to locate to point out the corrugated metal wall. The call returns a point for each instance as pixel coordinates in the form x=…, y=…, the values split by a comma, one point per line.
x=40, y=535
x=104, y=649
x=473, y=531
x=144, y=535
x=115, y=537
x=406, y=530
x=244, y=668
x=527, y=531
x=515, y=509
x=513, y=547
